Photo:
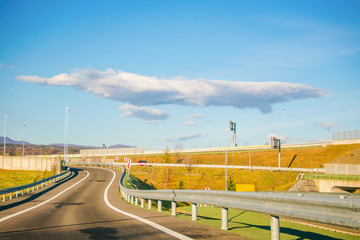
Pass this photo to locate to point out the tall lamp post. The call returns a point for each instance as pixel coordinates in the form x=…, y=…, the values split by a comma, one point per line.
x=226, y=157
x=283, y=140
x=66, y=137
x=5, y=134
x=23, y=140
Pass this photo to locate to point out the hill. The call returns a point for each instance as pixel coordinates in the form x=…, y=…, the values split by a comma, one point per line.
x=196, y=178
x=10, y=141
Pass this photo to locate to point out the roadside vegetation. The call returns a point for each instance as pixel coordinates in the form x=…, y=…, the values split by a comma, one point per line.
x=257, y=225
x=249, y=224
x=307, y=157
x=190, y=177
x=14, y=178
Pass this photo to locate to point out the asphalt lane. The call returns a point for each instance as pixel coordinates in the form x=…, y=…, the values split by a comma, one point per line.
x=81, y=213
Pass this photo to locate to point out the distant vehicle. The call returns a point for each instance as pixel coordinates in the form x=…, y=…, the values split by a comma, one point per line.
x=143, y=163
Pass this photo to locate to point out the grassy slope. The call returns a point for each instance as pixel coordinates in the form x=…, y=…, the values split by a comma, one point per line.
x=194, y=178
x=257, y=225
x=249, y=224
x=13, y=178
x=312, y=157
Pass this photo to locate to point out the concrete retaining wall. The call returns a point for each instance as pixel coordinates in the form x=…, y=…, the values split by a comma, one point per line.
x=343, y=169
x=110, y=151
x=336, y=185
x=29, y=163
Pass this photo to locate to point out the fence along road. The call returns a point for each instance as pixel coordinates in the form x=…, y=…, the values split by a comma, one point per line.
x=318, y=207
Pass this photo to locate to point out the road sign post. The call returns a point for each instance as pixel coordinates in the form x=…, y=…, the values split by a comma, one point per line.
x=276, y=143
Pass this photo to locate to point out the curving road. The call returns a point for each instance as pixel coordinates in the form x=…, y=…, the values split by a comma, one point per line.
x=87, y=205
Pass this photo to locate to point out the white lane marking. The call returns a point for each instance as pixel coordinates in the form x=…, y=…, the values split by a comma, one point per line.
x=155, y=225
x=40, y=204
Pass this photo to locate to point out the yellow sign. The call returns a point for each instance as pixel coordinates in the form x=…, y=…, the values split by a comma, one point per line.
x=245, y=187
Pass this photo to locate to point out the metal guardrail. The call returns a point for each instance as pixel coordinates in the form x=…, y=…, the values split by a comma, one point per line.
x=332, y=177
x=198, y=150
x=32, y=186
x=335, y=209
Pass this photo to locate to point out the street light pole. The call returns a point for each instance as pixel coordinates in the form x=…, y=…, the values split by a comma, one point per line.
x=226, y=157
x=283, y=134
x=23, y=140
x=5, y=135
x=66, y=137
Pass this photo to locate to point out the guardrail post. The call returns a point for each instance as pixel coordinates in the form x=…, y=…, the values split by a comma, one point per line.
x=136, y=201
x=275, y=228
x=16, y=194
x=159, y=205
x=149, y=203
x=10, y=196
x=224, y=218
x=4, y=197
x=142, y=203
x=132, y=200
x=194, y=212
x=173, y=208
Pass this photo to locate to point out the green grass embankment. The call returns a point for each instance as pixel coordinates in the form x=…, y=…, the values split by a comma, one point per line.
x=14, y=178
x=245, y=223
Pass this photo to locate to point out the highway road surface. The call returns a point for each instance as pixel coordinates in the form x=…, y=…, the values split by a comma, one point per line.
x=87, y=205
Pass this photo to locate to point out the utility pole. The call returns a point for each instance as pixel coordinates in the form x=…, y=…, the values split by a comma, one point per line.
x=66, y=137
x=5, y=136
x=23, y=140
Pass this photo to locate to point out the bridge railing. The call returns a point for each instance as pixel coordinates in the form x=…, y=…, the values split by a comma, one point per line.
x=15, y=191
x=331, y=209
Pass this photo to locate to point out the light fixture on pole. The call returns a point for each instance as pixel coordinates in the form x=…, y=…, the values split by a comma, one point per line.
x=276, y=143
x=5, y=135
x=232, y=127
x=66, y=137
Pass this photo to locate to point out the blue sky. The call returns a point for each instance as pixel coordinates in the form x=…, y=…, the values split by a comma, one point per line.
x=158, y=73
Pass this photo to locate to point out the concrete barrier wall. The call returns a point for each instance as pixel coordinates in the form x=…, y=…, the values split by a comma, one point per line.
x=335, y=185
x=342, y=142
x=29, y=163
x=110, y=151
x=344, y=169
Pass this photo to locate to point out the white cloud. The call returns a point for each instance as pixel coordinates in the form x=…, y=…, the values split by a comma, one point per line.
x=7, y=66
x=192, y=116
x=189, y=123
x=150, y=91
x=327, y=125
x=183, y=137
x=145, y=113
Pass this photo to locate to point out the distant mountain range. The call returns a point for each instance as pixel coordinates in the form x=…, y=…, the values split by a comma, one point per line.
x=11, y=141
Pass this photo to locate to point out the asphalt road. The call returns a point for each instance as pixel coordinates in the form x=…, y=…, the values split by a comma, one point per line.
x=67, y=211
